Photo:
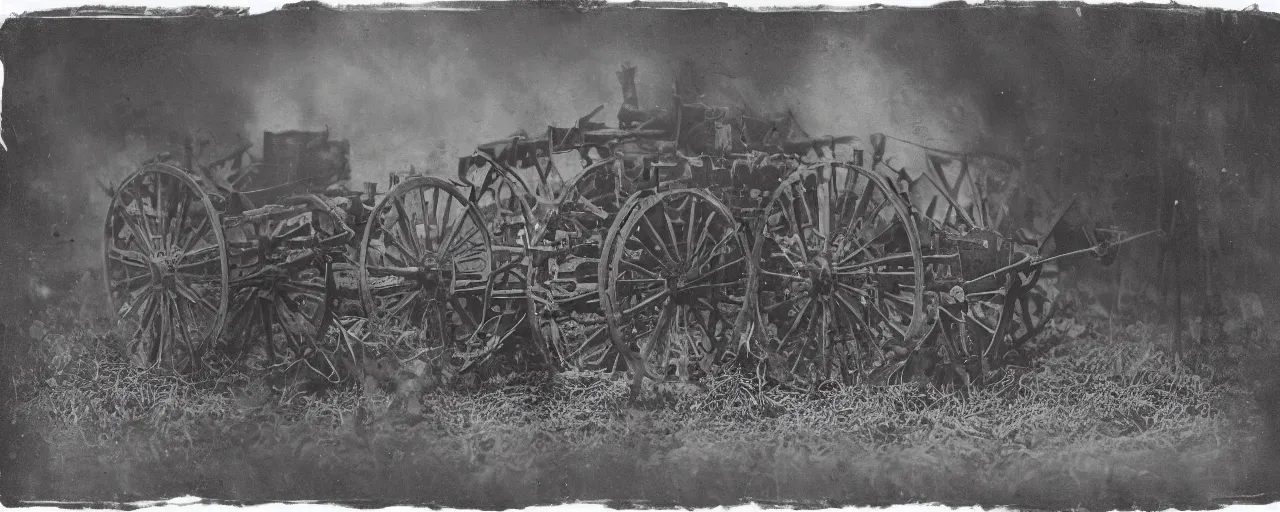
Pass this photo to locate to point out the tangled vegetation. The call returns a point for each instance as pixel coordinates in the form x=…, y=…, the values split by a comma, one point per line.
x=1105, y=418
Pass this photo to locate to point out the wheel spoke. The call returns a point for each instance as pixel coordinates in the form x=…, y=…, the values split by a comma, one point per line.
x=862, y=222
x=709, y=273
x=709, y=332
x=864, y=200
x=212, y=249
x=833, y=312
x=185, y=320
x=629, y=266
x=809, y=212
x=472, y=323
x=403, y=303
x=841, y=211
x=147, y=314
x=792, y=259
x=128, y=283
x=430, y=217
x=243, y=319
x=289, y=321
x=906, y=301
x=784, y=302
x=127, y=257
x=877, y=261
x=789, y=212
x=644, y=248
x=197, y=234
x=889, y=322
x=780, y=275
x=708, y=287
x=387, y=271
x=706, y=258
x=690, y=228
x=452, y=239
x=138, y=234
x=671, y=230
x=642, y=304
x=658, y=238
x=184, y=205
x=661, y=329
x=142, y=211
x=403, y=222
x=868, y=243
x=394, y=249
x=849, y=305
x=165, y=332
x=703, y=234
x=162, y=213
x=189, y=294
x=588, y=343
x=796, y=322
x=634, y=281
x=629, y=287
x=811, y=329
x=478, y=255
x=136, y=300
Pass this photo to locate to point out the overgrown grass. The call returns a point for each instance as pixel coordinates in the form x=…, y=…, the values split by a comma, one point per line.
x=1103, y=420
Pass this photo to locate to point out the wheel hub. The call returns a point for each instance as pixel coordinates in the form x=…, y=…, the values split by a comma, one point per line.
x=822, y=275
x=433, y=276
x=164, y=266
x=677, y=283
x=679, y=292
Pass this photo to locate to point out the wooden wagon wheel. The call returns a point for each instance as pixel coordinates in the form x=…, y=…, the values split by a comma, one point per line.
x=840, y=277
x=988, y=334
x=1035, y=308
x=166, y=265
x=283, y=260
x=973, y=332
x=426, y=262
x=504, y=201
x=675, y=281
x=564, y=292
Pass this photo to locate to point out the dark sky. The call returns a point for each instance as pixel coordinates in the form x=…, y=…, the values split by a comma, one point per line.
x=1096, y=100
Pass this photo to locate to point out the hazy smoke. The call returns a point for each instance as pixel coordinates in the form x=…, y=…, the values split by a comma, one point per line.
x=1083, y=95
x=423, y=90
x=422, y=104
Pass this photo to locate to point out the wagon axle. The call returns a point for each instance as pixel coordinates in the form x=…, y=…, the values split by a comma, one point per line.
x=822, y=276
x=164, y=266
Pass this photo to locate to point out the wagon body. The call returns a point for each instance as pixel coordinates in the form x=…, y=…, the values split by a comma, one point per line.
x=591, y=231
x=682, y=240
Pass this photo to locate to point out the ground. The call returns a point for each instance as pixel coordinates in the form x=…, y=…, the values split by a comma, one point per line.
x=1106, y=419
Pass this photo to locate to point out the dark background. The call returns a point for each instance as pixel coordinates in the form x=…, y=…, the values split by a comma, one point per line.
x=1130, y=107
